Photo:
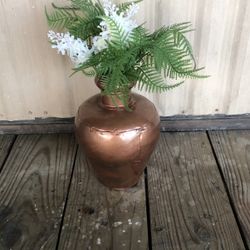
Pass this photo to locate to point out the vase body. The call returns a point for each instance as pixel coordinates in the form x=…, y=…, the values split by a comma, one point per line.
x=118, y=143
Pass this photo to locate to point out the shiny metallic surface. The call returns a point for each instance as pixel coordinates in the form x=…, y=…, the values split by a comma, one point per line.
x=118, y=143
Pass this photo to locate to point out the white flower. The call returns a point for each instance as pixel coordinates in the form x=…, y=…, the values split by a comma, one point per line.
x=99, y=44
x=109, y=8
x=60, y=41
x=79, y=52
x=123, y=19
x=76, y=49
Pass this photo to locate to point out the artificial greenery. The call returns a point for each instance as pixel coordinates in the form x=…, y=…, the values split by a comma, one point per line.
x=140, y=57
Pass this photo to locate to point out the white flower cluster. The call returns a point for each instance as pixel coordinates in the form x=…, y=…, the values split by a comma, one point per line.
x=123, y=19
x=78, y=50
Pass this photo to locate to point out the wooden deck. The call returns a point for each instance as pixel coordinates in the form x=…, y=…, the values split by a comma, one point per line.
x=195, y=195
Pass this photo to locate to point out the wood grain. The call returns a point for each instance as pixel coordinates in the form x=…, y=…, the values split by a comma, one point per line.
x=6, y=142
x=38, y=126
x=33, y=189
x=189, y=207
x=201, y=123
x=232, y=149
x=168, y=124
x=99, y=218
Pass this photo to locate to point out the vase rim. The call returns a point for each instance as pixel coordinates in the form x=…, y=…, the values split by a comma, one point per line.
x=100, y=85
x=114, y=101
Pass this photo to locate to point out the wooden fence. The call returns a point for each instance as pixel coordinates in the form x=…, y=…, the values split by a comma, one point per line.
x=34, y=80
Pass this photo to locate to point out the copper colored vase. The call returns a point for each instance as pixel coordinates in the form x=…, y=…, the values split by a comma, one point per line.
x=118, y=143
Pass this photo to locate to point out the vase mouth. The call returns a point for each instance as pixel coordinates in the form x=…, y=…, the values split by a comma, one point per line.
x=116, y=101
x=100, y=85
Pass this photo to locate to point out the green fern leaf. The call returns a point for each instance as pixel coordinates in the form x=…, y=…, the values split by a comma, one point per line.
x=85, y=28
x=123, y=7
x=60, y=18
x=88, y=7
x=152, y=81
x=117, y=33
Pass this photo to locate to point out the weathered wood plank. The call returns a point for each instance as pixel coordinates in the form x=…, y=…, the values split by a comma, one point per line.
x=168, y=124
x=99, y=218
x=189, y=207
x=5, y=144
x=38, y=126
x=232, y=149
x=33, y=188
x=201, y=123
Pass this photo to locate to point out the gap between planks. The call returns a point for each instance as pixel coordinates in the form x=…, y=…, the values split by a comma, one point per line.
x=188, y=203
x=148, y=209
x=232, y=150
x=99, y=218
x=33, y=184
x=220, y=153
x=66, y=200
x=6, y=144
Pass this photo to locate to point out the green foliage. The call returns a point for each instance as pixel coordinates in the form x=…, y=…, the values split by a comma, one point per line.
x=152, y=80
x=117, y=33
x=144, y=58
x=125, y=6
x=60, y=18
x=81, y=19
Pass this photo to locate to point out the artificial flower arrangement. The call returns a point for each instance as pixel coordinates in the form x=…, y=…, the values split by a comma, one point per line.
x=103, y=40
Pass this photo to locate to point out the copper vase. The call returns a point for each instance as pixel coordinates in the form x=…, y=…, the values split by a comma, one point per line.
x=117, y=142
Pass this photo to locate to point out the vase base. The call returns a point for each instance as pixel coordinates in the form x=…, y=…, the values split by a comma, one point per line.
x=126, y=188
x=120, y=187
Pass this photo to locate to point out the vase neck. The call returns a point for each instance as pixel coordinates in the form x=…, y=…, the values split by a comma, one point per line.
x=114, y=102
